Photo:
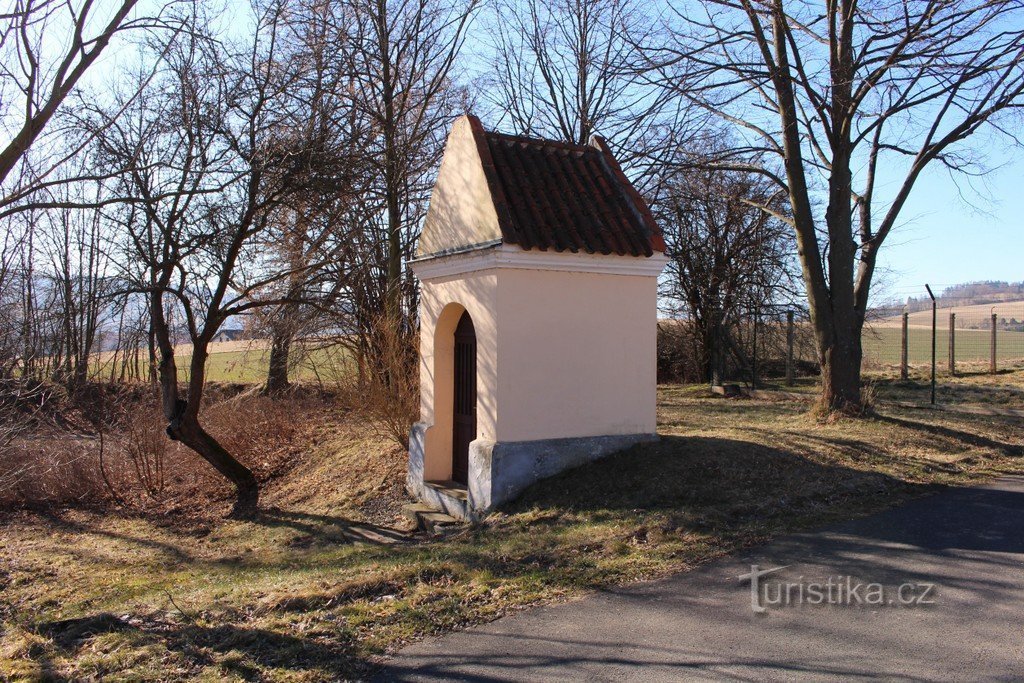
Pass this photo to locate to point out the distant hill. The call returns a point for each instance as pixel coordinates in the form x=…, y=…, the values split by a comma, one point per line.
x=1009, y=315
x=971, y=294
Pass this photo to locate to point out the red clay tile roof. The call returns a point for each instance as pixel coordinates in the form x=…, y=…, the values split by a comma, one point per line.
x=555, y=196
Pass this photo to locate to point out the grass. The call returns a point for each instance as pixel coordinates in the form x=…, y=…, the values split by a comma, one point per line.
x=291, y=596
x=973, y=388
x=882, y=345
x=247, y=363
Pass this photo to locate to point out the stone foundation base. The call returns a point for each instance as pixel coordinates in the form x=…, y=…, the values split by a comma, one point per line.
x=499, y=472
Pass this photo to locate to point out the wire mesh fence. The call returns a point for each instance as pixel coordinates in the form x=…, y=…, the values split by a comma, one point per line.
x=972, y=334
x=975, y=333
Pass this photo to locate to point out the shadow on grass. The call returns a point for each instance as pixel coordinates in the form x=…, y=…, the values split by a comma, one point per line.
x=965, y=437
x=967, y=542
x=64, y=524
x=986, y=373
x=252, y=648
x=320, y=530
x=948, y=391
x=705, y=495
x=738, y=479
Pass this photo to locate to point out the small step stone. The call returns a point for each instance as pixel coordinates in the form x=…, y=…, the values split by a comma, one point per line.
x=430, y=520
x=450, y=488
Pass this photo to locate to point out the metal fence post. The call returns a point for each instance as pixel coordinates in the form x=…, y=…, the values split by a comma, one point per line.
x=904, y=370
x=934, y=314
x=789, y=348
x=992, y=350
x=952, y=343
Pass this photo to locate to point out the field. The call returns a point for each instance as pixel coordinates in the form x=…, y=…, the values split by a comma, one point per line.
x=882, y=345
x=974, y=315
x=973, y=336
x=246, y=362
x=326, y=580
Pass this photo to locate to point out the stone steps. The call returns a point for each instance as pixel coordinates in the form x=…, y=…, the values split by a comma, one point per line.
x=444, y=505
x=449, y=497
x=429, y=519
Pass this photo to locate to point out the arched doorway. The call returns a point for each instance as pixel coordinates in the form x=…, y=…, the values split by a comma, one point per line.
x=464, y=403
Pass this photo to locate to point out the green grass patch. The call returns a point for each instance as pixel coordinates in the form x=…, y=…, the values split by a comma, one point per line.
x=882, y=345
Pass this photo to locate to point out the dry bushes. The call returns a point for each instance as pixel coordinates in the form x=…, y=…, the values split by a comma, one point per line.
x=109, y=446
x=389, y=395
x=40, y=471
x=265, y=434
x=145, y=445
x=381, y=387
x=682, y=358
x=46, y=456
x=678, y=352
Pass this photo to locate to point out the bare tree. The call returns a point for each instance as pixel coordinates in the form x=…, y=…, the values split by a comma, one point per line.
x=310, y=236
x=404, y=58
x=724, y=251
x=568, y=69
x=12, y=248
x=46, y=48
x=385, y=74
x=208, y=161
x=840, y=95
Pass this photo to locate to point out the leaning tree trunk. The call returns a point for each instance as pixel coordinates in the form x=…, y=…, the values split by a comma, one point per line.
x=184, y=426
x=247, y=491
x=183, y=415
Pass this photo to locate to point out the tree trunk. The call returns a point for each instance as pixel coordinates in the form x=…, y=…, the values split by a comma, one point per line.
x=711, y=366
x=840, y=373
x=277, y=373
x=188, y=430
x=183, y=415
x=717, y=354
x=151, y=348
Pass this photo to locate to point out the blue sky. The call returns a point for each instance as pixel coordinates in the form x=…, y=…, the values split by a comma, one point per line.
x=961, y=231
x=951, y=231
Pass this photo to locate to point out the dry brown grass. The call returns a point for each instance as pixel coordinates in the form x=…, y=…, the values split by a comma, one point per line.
x=289, y=596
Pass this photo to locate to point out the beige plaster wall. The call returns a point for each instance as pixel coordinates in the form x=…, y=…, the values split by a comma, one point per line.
x=577, y=354
x=461, y=211
x=442, y=302
x=563, y=354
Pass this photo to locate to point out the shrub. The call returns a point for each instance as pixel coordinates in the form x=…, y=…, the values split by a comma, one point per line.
x=107, y=445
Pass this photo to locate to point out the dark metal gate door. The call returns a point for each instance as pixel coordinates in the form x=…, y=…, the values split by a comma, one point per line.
x=464, y=426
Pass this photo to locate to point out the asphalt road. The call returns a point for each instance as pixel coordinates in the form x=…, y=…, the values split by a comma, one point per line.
x=967, y=543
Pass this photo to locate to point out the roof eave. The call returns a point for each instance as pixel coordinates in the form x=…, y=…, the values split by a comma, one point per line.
x=657, y=242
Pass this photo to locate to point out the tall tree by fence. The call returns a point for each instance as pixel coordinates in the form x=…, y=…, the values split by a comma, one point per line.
x=833, y=94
